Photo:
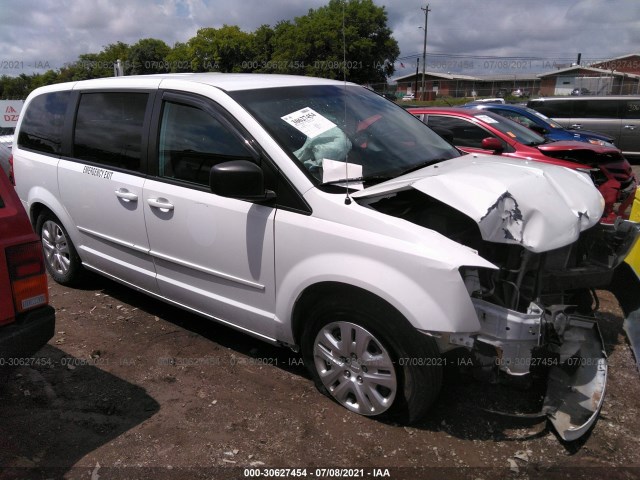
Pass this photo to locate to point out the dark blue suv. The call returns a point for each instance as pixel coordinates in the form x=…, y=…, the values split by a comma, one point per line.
x=541, y=124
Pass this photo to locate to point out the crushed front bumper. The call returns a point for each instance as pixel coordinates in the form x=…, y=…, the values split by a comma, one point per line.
x=576, y=387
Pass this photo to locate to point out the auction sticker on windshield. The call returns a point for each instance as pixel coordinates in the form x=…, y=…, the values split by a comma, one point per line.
x=309, y=122
x=486, y=118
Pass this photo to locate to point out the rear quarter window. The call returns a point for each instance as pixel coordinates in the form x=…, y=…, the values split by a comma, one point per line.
x=43, y=121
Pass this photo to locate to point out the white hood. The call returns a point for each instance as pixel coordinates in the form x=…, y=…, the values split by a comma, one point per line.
x=537, y=205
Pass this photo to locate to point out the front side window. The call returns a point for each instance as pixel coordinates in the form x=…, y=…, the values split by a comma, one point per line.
x=192, y=141
x=554, y=108
x=41, y=128
x=109, y=129
x=465, y=133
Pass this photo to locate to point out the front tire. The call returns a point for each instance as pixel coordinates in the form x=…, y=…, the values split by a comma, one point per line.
x=60, y=256
x=370, y=360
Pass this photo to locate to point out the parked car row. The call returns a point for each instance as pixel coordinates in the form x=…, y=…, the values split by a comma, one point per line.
x=542, y=124
x=479, y=130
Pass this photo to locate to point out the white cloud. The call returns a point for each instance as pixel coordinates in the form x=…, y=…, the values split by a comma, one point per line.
x=57, y=32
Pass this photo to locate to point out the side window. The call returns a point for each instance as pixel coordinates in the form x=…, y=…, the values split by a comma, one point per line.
x=41, y=128
x=631, y=109
x=108, y=128
x=192, y=141
x=554, y=108
x=596, y=109
x=465, y=133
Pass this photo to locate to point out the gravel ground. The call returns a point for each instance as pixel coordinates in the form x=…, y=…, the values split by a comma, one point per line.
x=132, y=388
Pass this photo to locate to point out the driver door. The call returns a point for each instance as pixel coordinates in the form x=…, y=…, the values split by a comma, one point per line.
x=212, y=254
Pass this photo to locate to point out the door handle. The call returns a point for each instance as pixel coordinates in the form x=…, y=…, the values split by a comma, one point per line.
x=577, y=126
x=126, y=195
x=630, y=127
x=161, y=203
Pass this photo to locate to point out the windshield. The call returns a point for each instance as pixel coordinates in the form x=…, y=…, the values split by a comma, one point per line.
x=512, y=129
x=551, y=122
x=323, y=126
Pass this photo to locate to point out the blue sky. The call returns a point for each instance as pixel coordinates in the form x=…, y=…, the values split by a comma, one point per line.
x=464, y=36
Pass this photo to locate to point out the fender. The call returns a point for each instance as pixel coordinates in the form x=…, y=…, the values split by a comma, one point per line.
x=414, y=269
x=445, y=306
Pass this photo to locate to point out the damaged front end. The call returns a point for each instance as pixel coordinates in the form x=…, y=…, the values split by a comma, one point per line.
x=536, y=316
x=536, y=308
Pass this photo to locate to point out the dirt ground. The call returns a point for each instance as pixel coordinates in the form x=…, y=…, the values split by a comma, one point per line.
x=132, y=388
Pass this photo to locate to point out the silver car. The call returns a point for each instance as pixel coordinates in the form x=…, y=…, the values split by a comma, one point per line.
x=616, y=116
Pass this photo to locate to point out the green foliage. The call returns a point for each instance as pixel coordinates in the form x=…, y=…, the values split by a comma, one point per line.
x=308, y=45
x=148, y=56
x=223, y=49
x=177, y=59
x=14, y=88
x=314, y=43
x=98, y=65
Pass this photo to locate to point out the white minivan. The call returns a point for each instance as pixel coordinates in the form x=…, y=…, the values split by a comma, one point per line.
x=317, y=215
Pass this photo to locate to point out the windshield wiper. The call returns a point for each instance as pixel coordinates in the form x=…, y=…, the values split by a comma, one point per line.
x=370, y=178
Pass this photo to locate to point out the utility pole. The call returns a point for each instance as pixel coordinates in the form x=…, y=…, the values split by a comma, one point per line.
x=416, y=83
x=424, y=47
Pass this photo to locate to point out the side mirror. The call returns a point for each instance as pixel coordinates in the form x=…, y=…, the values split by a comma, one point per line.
x=492, y=143
x=239, y=179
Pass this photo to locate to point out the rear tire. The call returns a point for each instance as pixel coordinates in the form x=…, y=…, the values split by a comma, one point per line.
x=383, y=368
x=60, y=256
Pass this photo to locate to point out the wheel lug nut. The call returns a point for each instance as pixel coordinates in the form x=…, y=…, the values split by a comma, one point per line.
x=364, y=368
x=359, y=379
x=347, y=373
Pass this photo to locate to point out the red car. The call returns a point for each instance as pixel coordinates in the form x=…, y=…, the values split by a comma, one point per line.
x=27, y=321
x=480, y=131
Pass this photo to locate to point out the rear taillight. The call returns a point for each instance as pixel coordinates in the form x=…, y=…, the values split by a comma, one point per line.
x=12, y=178
x=27, y=276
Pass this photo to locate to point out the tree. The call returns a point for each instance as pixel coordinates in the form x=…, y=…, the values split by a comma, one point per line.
x=225, y=49
x=178, y=58
x=314, y=42
x=261, y=48
x=148, y=56
x=98, y=65
x=15, y=88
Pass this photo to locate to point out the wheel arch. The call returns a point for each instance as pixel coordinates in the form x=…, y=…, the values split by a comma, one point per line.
x=41, y=201
x=429, y=297
x=314, y=294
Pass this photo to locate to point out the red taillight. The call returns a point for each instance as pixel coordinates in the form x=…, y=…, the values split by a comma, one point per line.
x=12, y=177
x=27, y=276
